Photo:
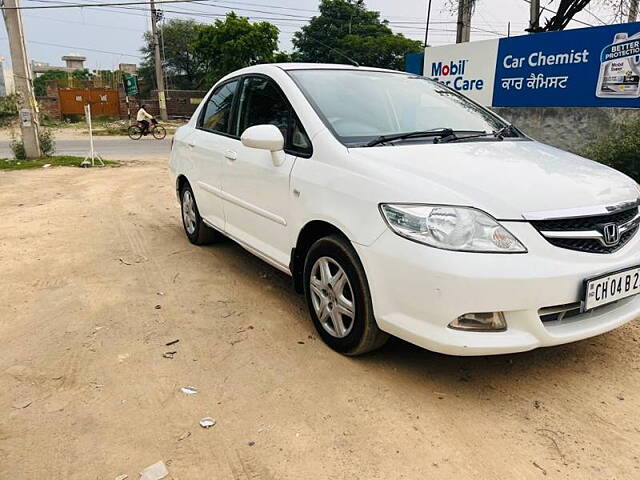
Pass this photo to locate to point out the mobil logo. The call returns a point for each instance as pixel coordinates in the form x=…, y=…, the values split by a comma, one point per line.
x=454, y=67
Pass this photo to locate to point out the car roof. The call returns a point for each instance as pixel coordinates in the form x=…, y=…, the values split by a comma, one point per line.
x=266, y=68
x=308, y=66
x=326, y=66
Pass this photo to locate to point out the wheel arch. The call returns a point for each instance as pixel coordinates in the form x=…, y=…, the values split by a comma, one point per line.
x=312, y=231
x=181, y=180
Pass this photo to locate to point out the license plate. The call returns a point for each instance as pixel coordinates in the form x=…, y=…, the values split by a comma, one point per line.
x=612, y=287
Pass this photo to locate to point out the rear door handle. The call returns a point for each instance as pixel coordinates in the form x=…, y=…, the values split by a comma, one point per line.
x=230, y=154
x=191, y=145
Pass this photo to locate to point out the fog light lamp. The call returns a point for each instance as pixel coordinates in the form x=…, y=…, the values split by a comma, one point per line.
x=480, y=322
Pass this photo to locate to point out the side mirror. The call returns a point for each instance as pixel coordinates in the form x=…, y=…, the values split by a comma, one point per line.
x=264, y=137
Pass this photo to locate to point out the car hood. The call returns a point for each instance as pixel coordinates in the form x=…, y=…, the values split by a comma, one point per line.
x=506, y=179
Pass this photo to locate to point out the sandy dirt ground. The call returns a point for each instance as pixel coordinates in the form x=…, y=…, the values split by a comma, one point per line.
x=97, y=276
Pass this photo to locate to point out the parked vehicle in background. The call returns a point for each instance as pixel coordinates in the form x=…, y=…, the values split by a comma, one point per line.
x=401, y=207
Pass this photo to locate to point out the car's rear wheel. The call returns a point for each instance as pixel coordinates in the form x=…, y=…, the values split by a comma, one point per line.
x=196, y=230
x=338, y=297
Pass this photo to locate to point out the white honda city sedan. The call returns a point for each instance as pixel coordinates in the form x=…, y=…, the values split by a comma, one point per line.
x=400, y=207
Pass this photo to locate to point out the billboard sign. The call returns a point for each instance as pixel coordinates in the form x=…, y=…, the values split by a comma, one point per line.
x=471, y=71
x=130, y=84
x=589, y=67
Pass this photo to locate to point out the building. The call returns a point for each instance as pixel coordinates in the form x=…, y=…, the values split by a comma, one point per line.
x=72, y=62
x=7, y=86
x=130, y=68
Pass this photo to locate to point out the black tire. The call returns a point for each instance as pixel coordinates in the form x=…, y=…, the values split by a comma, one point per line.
x=197, y=232
x=363, y=335
x=134, y=132
x=159, y=132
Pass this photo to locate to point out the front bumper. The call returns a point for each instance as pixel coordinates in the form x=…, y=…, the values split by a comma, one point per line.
x=418, y=290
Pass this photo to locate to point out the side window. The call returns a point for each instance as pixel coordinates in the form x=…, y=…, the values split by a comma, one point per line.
x=262, y=102
x=299, y=140
x=216, y=115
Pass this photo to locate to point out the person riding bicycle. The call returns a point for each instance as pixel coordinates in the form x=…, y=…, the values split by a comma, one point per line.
x=143, y=118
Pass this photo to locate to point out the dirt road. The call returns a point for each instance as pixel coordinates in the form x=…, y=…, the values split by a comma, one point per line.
x=85, y=392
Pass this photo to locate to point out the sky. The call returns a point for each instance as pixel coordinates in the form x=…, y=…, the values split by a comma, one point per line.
x=109, y=36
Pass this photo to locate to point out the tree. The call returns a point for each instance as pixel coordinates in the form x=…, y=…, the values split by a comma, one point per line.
x=622, y=10
x=346, y=28
x=567, y=9
x=182, y=65
x=234, y=43
x=60, y=76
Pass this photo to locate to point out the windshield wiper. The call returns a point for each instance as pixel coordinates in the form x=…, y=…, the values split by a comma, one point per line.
x=498, y=134
x=438, y=133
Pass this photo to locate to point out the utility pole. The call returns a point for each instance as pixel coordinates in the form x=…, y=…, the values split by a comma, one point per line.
x=463, y=31
x=633, y=10
x=162, y=101
x=22, y=79
x=426, y=31
x=534, y=17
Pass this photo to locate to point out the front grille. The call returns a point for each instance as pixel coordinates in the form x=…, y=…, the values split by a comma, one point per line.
x=560, y=312
x=589, y=224
x=585, y=223
x=590, y=245
x=571, y=311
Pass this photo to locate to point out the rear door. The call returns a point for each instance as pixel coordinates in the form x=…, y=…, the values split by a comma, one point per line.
x=209, y=145
x=256, y=192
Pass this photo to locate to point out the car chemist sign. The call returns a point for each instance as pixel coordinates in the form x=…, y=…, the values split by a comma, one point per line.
x=589, y=67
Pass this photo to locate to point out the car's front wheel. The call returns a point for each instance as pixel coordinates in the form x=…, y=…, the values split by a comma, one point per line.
x=338, y=297
x=196, y=230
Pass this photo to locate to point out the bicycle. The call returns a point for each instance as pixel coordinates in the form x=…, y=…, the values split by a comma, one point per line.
x=136, y=131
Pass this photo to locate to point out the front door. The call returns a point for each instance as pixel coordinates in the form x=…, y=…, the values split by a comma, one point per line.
x=256, y=192
x=208, y=144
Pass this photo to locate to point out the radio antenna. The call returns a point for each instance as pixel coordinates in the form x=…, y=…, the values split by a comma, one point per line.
x=335, y=50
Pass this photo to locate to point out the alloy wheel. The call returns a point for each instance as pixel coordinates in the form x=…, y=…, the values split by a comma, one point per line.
x=188, y=212
x=332, y=297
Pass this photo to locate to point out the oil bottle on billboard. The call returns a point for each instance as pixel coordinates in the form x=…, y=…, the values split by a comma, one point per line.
x=620, y=68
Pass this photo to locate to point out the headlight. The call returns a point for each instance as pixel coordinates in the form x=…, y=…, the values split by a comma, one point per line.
x=452, y=228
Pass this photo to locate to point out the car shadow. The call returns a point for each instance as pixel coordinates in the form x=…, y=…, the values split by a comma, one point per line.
x=453, y=374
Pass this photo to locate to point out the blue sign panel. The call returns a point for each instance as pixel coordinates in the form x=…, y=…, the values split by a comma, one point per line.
x=590, y=67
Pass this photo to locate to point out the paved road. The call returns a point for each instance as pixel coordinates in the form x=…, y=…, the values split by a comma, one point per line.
x=107, y=147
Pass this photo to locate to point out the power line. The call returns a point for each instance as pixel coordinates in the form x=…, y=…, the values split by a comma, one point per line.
x=49, y=19
x=82, y=5
x=595, y=16
x=554, y=12
x=78, y=48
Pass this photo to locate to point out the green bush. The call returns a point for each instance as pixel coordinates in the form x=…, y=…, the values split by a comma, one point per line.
x=47, y=142
x=8, y=109
x=619, y=148
x=17, y=147
x=47, y=145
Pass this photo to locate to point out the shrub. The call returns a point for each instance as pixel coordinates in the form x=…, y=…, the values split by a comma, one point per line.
x=8, y=109
x=17, y=147
x=619, y=148
x=47, y=145
x=47, y=142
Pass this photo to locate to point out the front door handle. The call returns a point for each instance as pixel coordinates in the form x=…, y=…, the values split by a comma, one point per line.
x=191, y=145
x=230, y=154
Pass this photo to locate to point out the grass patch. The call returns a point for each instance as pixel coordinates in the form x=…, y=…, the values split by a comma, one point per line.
x=55, y=161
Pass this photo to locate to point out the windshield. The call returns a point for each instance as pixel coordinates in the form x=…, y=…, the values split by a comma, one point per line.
x=361, y=105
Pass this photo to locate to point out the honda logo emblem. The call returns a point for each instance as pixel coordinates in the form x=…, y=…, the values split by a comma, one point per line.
x=610, y=234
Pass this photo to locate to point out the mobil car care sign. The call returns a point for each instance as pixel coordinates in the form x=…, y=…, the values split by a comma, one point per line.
x=467, y=67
